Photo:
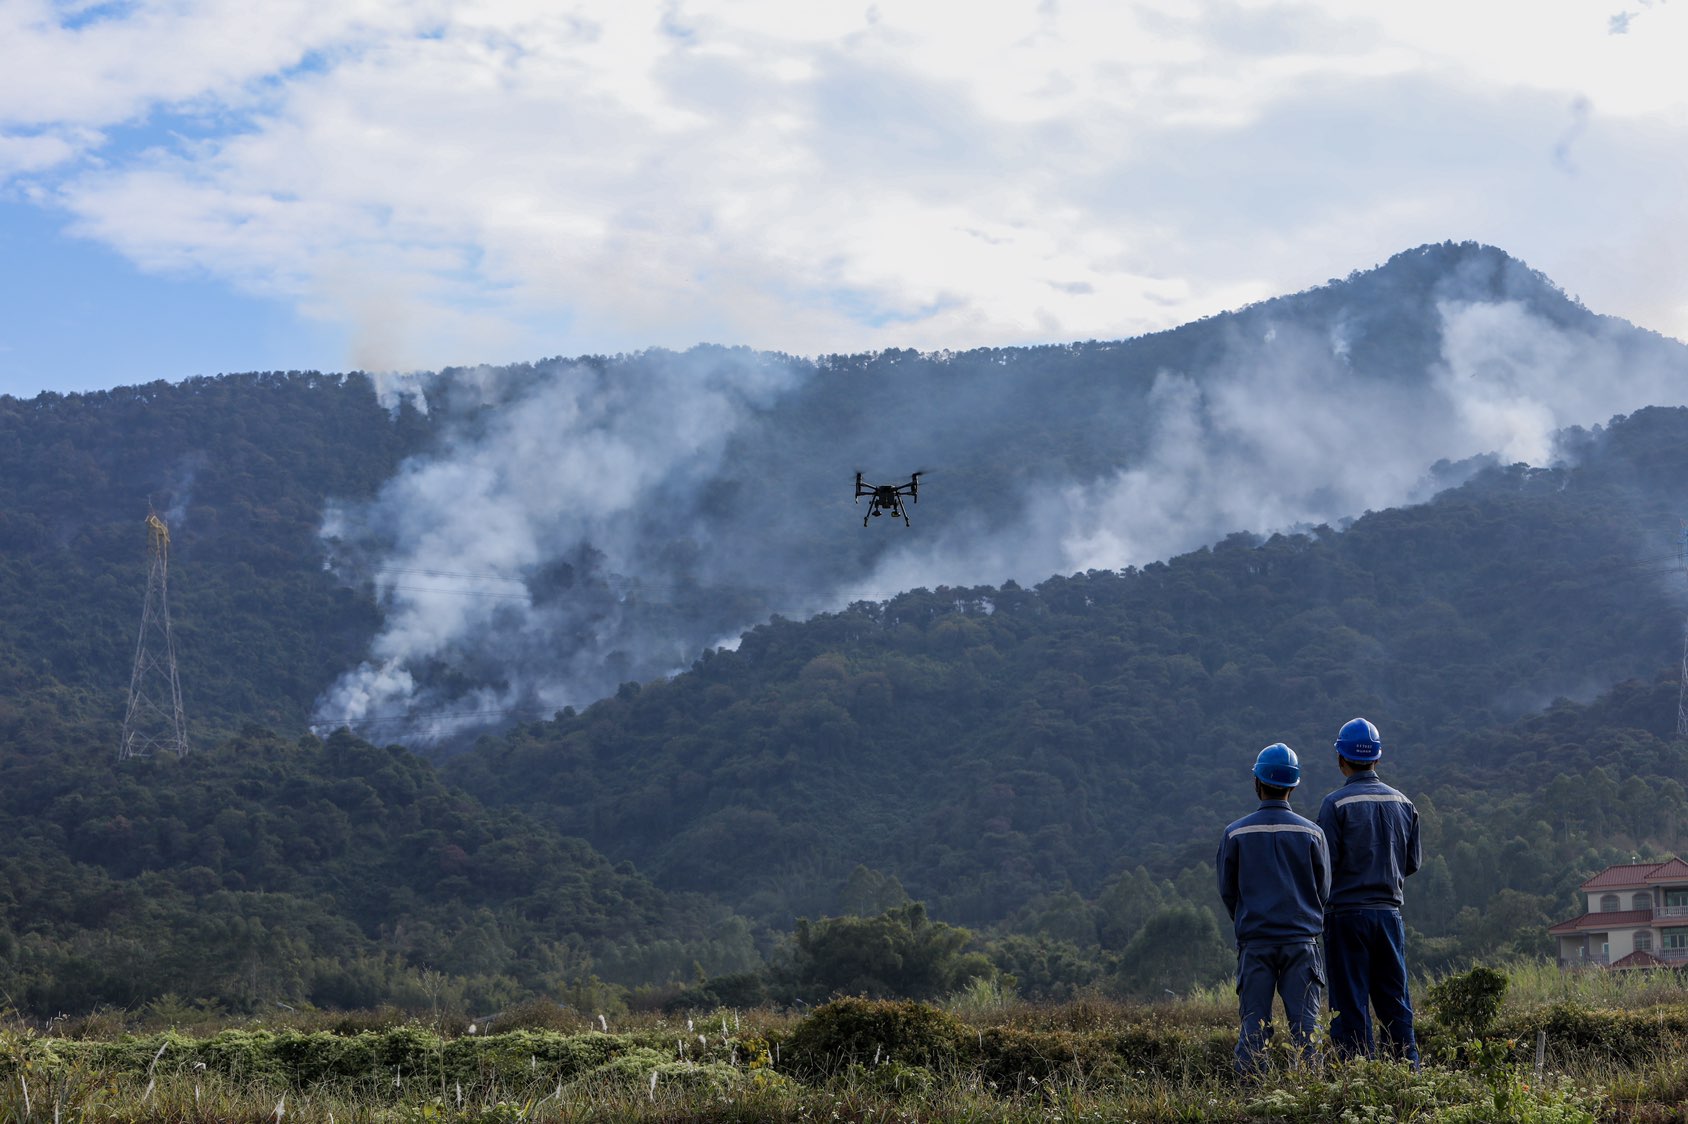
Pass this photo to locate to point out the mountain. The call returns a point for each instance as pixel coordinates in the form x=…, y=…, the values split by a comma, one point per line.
x=426, y=556
x=578, y=525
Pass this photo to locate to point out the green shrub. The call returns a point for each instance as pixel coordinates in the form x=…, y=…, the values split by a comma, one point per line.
x=1195, y=1051
x=1008, y=1055
x=849, y=1032
x=1573, y=1027
x=1468, y=1004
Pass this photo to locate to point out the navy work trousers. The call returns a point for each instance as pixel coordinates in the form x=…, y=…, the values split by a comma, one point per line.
x=1294, y=971
x=1366, y=950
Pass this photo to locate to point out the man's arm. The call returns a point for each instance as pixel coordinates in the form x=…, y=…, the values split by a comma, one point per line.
x=1333, y=838
x=1225, y=863
x=1321, y=858
x=1414, y=855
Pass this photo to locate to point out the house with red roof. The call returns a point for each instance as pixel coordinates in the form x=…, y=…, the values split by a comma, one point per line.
x=1637, y=918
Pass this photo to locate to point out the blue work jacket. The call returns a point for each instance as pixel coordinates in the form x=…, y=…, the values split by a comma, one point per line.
x=1373, y=835
x=1274, y=876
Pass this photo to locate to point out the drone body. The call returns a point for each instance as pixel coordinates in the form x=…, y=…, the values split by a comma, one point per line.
x=888, y=497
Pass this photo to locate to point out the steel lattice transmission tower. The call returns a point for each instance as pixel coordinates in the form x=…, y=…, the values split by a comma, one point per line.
x=154, y=718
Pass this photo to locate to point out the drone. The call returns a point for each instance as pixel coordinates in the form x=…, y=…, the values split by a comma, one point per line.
x=888, y=497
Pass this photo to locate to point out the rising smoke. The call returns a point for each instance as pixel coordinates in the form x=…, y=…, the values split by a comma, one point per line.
x=584, y=524
x=501, y=559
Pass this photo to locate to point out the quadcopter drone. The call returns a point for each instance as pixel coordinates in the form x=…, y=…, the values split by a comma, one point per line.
x=888, y=497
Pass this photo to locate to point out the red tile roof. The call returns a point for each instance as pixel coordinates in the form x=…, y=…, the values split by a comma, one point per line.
x=1613, y=919
x=1673, y=871
x=1633, y=875
x=1640, y=958
x=1637, y=875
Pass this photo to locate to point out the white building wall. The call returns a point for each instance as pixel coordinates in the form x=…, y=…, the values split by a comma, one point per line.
x=1625, y=898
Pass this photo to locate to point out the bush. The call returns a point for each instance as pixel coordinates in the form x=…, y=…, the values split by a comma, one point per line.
x=902, y=952
x=849, y=1032
x=1468, y=1004
x=1572, y=1027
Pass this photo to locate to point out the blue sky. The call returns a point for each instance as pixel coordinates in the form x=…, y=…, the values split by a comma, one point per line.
x=205, y=186
x=76, y=316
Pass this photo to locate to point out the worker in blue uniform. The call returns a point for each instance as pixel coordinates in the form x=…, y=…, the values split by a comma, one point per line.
x=1373, y=834
x=1274, y=878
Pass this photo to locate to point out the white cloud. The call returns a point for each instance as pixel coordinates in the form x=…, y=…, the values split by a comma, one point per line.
x=481, y=180
x=108, y=68
x=23, y=154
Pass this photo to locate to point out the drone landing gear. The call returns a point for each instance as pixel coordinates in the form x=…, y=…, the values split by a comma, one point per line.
x=874, y=513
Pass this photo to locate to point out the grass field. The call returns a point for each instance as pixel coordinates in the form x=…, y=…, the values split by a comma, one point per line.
x=1611, y=1049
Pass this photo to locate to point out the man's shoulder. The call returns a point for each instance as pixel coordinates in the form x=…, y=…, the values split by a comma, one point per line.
x=1242, y=822
x=1370, y=791
x=1266, y=820
x=1302, y=821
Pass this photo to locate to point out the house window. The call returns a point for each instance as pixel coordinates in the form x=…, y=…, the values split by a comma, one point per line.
x=1644, y=940
x=1675, y=938
x=1676, y=897
x=1609, y=903
x=1641, y=901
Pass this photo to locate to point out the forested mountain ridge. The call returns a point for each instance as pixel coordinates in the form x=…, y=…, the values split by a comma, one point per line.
x=420, y=557
x=589, y=524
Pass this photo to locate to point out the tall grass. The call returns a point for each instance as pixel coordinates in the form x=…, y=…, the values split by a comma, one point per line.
x=1537, y=984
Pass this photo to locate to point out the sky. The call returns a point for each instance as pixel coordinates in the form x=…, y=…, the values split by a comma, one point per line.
x=195, y=187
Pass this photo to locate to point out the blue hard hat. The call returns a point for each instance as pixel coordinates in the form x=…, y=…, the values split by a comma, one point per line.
x=1278, y=766
x=1358, y=740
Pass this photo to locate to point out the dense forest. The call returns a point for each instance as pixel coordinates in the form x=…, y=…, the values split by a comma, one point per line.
x=949, y=782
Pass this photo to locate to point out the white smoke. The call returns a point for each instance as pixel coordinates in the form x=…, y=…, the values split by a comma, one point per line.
x=1285, y=434
x=1515, y=379
x=461, y=545
x=180, y=489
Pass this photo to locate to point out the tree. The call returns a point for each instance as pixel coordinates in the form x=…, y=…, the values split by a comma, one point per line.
x=1177, y=949
x=869, y=893
x=901, y=953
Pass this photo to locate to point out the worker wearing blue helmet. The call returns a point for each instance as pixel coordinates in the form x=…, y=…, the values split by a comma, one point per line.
x=1274, y=877
x=1373, y=834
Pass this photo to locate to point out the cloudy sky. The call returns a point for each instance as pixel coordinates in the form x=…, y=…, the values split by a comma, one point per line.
x=202, y=186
